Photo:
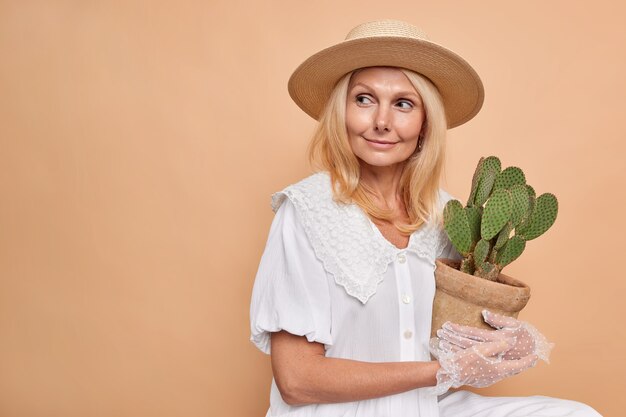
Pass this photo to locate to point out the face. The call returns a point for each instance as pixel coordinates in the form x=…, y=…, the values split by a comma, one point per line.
x=384, y=116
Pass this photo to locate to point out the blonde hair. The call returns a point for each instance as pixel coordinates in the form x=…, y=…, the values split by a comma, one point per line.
x=330, y=150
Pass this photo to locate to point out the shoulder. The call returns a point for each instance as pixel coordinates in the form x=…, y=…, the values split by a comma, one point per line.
x=315, y=188
x=444, y=196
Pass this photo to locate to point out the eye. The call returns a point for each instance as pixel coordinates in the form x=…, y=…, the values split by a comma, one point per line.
x=405, y=104
x=363, y=99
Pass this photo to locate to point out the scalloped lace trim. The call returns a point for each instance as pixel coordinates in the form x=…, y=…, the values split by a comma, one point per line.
x=346, y=241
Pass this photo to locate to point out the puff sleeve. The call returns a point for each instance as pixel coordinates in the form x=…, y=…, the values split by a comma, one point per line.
x=290, y=290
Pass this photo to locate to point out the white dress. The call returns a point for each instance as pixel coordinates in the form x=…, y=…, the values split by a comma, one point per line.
x=327, y=273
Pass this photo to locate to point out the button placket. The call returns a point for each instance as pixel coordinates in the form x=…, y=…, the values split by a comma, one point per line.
x=406, y=325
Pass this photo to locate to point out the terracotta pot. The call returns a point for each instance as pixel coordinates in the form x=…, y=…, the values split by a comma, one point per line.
x=461, y=297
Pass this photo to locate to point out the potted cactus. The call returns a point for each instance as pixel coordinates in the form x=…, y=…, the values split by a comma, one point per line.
x=501, y=215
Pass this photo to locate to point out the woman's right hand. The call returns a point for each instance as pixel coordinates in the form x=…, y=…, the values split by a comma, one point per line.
x=480, y=365
x=529, y=339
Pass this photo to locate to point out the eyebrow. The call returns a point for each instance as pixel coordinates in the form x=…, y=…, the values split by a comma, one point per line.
x=404, y=93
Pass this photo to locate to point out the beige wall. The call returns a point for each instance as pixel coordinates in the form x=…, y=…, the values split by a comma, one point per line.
x=140, y=142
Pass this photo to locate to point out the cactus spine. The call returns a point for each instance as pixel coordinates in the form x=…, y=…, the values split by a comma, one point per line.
x=500, y=204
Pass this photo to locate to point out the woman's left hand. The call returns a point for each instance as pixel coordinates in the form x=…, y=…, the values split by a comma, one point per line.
x=528, y=340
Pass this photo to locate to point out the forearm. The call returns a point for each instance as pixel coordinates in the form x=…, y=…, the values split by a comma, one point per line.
x=330, y=380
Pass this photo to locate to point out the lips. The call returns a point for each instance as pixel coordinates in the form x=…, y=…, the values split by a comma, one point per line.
x=380, y=141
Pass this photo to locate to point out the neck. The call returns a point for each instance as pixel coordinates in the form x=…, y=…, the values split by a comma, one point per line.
x=384, y=182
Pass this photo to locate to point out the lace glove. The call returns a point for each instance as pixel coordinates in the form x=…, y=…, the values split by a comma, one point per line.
x=480, y=365
x=527, y=338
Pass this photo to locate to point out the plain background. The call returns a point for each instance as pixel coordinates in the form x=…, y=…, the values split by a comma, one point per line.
x=140, y=144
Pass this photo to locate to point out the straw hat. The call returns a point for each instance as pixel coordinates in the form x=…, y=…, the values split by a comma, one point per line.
x=389, y=43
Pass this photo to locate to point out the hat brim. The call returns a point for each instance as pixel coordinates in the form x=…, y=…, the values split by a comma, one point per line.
x=459, y=85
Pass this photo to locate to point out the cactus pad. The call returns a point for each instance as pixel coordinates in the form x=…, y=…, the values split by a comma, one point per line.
x=457, y=227
x=510, y=252
x=503, y=236
x=490, y=169
x=475, y=181
x=481, y=250
x=541, y=218
x=531, y=205
x=520, y=203
x=474, y=215
x=492, y=163
x=509, y=177
x=496, y=213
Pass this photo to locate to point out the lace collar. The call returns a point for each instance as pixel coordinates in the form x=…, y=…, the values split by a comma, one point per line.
x=347, y=242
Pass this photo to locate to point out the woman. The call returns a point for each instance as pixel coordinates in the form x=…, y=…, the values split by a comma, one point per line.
x=343, y=296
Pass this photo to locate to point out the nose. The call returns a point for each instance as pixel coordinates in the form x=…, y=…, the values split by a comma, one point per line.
x=382, y=121
x=381, y=125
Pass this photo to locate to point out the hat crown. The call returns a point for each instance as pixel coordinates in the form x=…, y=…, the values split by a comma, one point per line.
x=386, y=27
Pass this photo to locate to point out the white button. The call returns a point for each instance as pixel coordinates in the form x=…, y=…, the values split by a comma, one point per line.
x=406, y=298
x=401, y=258
x=408, y=334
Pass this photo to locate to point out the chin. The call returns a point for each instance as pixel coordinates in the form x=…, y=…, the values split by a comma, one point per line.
x=382, y=162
